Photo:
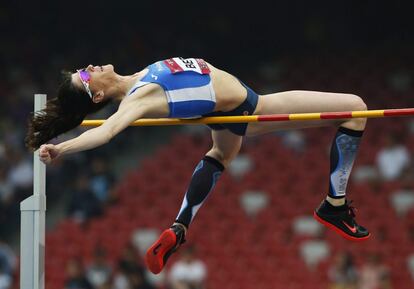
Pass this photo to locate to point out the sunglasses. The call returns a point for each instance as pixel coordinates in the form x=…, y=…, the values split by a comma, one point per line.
x=85, y=77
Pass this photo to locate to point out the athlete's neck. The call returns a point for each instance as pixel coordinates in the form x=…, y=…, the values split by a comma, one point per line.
x=125, y=82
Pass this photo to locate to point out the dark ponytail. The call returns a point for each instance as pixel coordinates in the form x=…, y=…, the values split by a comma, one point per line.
x=62, y=113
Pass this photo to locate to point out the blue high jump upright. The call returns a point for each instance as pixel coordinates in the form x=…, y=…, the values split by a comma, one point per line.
x=33, y=218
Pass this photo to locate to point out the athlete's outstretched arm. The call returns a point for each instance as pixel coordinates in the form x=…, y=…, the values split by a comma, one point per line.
x=96, y=136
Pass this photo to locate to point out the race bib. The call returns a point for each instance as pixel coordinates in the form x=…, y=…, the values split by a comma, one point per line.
x=179, y=64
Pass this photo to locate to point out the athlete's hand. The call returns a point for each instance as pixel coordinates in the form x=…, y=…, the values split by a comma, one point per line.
x=48, y=153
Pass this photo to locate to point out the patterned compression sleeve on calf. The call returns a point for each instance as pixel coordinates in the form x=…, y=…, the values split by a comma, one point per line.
x=343, y=152
x=202, y=182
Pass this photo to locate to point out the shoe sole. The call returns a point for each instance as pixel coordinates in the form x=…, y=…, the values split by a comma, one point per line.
x=154, y=257
x=339, y=231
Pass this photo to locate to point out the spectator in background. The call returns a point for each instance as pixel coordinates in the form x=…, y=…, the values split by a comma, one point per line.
x=76, y=276
x=8, y=260
x=130, y=274
x=21, y=173
x=6, y=280
x=188, y=272
x=128, y=261
x=101, y=180
x=99, y=271
x=8, y=263
x=6, y=189
x=393, y=159
x=84, y=204
x=343, y=274
x=120, y=280
x=374, y=274
x=137, y=281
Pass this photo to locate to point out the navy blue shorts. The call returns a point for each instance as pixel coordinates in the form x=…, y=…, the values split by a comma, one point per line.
x=246, y=108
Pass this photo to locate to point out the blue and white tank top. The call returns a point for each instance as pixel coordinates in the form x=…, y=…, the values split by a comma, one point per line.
x=187, y=84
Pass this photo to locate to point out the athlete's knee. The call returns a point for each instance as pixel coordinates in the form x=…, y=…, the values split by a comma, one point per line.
x=223, y=157
x=357, y=103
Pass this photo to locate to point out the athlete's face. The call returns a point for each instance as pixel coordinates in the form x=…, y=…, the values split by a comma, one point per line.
x=95, y=80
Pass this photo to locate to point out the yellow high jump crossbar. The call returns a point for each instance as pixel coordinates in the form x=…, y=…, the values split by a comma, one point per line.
x=266, y=118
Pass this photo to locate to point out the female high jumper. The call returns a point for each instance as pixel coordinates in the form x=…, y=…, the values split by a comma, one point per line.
x=190, y=87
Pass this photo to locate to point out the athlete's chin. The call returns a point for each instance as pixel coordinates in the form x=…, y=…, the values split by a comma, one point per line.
x=109, y=67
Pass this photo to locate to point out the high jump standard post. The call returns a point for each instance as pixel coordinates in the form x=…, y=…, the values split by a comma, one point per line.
x=33, y=218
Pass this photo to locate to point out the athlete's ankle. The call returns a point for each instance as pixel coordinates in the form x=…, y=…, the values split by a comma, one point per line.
x=184, y=227
x=336, y=202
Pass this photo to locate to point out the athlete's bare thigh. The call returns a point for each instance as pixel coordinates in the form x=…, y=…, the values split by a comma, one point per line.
x=299, y=101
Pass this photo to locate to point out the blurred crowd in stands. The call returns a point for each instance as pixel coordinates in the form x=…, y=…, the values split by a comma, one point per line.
x=128, y=273
x=373, y=274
